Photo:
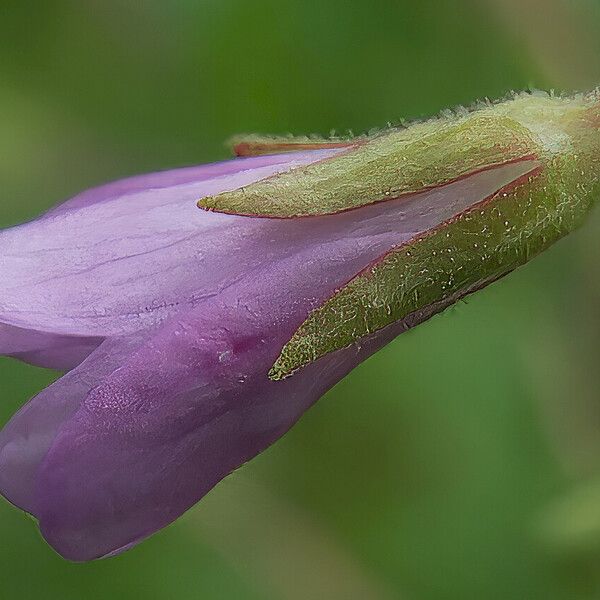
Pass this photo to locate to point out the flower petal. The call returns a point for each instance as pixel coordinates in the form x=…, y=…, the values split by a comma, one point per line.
x=185, y=175
x=126, y=442
x=30, y=433
x=125, y=256
x=47, y=350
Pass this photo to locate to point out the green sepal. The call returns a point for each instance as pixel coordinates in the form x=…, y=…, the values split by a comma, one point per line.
x=394, y=163
x=476, y=247
x=257, y=145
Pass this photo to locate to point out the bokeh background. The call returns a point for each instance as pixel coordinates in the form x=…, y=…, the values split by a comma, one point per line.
x=461, y=462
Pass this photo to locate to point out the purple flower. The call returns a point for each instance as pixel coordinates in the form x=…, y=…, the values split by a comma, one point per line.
x=170, y=321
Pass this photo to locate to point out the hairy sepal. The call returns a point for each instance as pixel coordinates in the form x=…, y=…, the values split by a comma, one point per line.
x=391, y=164
x=255, y=145
x=438, y=267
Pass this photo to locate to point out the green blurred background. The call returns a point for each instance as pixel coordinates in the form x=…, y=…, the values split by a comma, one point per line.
x=461, y=462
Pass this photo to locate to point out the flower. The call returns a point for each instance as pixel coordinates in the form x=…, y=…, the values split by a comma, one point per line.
x=193, y=339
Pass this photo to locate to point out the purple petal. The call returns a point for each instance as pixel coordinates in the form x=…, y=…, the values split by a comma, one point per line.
x=47, y=350
x=30, y=433
x=185, y=175
x=140, y=431
x=125, y=256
